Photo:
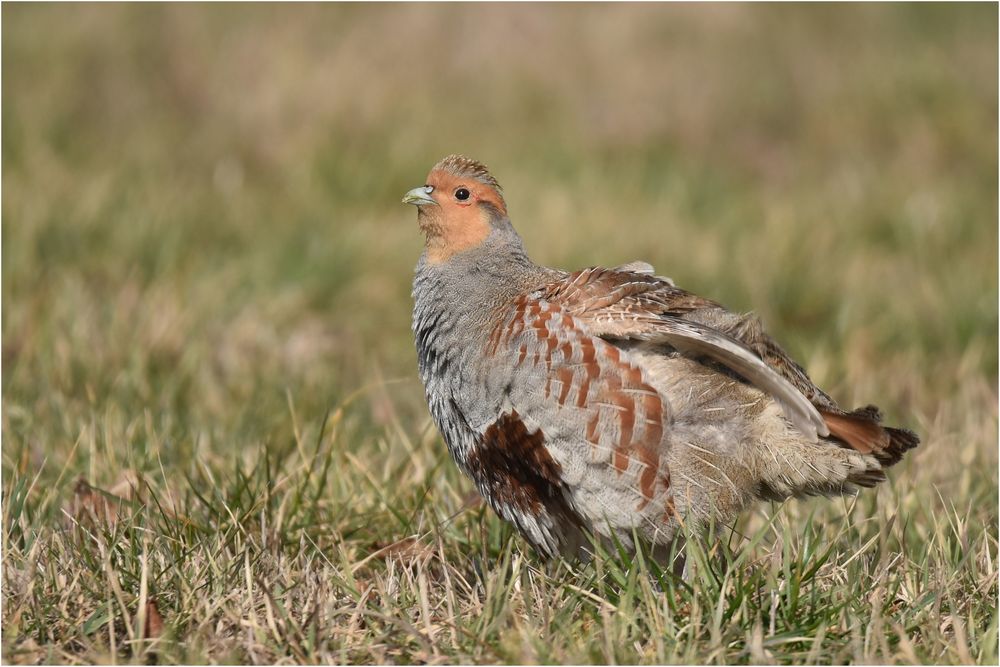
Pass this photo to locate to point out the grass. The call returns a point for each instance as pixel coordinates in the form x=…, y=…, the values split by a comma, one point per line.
x=206, y=294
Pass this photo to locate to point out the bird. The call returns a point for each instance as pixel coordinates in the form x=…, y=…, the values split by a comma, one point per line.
x=606, y=403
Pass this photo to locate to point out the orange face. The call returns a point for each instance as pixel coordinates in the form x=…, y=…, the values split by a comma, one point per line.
x=455, y=211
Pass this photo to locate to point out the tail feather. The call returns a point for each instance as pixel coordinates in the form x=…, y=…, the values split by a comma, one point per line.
x=901, y=440
x=861, y=431
x=867, y=478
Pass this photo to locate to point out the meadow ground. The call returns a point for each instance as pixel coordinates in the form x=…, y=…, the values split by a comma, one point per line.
x=206, y=275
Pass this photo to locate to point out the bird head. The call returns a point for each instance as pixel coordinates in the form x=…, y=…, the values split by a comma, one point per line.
x=458, y=206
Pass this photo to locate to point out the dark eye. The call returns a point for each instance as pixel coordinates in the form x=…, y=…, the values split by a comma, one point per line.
x=461, y=194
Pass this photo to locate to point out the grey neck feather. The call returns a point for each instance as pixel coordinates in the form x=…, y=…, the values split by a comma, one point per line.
x=498, y=268
x=457, y=302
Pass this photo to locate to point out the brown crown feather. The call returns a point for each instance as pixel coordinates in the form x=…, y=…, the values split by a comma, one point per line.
x=459, y=165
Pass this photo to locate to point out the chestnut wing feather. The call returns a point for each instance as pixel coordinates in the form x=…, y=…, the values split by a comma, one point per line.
x=624, y=305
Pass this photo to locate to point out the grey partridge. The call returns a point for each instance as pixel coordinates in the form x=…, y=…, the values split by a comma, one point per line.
x=609, y=402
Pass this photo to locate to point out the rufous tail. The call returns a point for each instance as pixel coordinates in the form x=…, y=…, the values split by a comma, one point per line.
x=862, y=431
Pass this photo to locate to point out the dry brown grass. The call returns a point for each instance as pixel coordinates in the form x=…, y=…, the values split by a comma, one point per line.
x=206, y=281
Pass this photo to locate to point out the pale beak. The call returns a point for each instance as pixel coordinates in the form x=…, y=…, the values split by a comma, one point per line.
x=419, y=196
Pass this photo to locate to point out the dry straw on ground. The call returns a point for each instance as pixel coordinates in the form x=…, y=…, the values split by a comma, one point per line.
x=206, y=281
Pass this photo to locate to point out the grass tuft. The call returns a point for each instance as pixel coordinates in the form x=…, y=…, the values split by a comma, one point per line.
x=215, y=447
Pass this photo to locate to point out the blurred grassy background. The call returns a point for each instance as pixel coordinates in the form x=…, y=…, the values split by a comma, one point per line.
x=201, y=218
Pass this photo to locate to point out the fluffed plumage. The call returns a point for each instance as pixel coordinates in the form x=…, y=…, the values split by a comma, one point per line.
x=610, y=401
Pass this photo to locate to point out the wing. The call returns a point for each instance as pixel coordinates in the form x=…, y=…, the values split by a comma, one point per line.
x=616, y=304
x=646, y=268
